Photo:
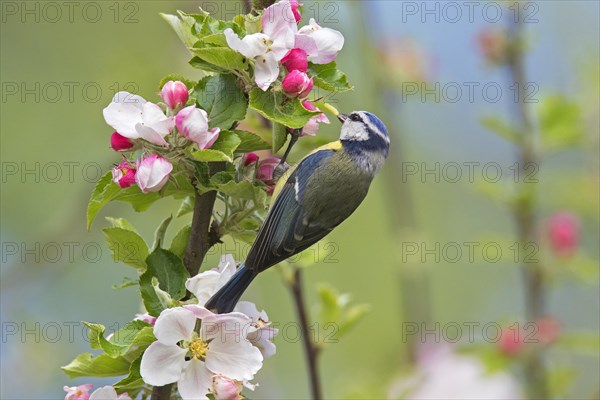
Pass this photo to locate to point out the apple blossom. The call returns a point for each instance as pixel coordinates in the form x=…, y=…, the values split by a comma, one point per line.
x=269, y=47
x=124, y=175
x=493, y=45
x=135, y=118
x=108, y=393
x=190, y=358
x=295, y=4
x=296, y=59
x=511, y=341
x=152, y=173
x=206, y=284
x=321, y=44
x=120, y=143
x=563, y=231
x=297, y=83
x=192, y=123
x=81, y=392
x=224, y=388
x=312, y=126
x=175, y=94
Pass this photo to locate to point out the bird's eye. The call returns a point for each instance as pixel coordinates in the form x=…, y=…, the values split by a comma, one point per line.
x=355, y=117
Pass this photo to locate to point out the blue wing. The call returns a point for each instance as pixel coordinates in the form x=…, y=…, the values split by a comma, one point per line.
x=285, y=231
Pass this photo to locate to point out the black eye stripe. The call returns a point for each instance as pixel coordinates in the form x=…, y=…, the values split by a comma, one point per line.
x=356, y=118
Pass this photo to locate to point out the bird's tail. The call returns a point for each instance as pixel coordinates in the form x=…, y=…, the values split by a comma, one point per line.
x=226, y=298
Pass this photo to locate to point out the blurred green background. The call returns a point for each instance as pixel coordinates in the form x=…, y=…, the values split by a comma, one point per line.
x=59, y=69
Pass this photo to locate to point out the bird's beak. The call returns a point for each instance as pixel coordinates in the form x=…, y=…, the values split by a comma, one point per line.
x=342, y=117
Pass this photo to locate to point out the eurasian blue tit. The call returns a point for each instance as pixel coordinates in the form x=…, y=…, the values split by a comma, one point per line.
x=310, y=200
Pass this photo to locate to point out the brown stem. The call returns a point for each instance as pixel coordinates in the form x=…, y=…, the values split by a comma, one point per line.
x=524, y=213
x=310, y=348
x=202, y=238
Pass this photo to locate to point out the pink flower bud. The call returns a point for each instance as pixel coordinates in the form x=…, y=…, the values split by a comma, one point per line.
x=81, y=392
x=297, y=84
x=548, y=330
x=124, y=175
x=152, y=173
x=249, y=159
x=120, y=143
x=296, y=59
x=175, y=94
x=192, y=123
x=563, y=231
x=295, y=4
x=265, y=171
x=225, y=388
x=493, y=45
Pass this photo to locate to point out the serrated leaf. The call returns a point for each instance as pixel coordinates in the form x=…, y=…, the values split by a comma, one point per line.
x=104, y=191
x=221, y=150
x=251, y=142
x=182, y=26
x=279, y=137
x=101, y=366
x=127, y=247
x=186, y=207
x=222, y=99
x=329, y=77
x=159, y=234
x=286, y=111
x=180, y=241
x=170, y=272
x=121, y=223
x=198, y=63
x=222, y=57
x=133, y=381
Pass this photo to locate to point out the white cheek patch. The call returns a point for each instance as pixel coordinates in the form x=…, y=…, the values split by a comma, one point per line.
x=355, y=131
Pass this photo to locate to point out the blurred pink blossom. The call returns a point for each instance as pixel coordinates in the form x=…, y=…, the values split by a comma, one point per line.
x=563, y=232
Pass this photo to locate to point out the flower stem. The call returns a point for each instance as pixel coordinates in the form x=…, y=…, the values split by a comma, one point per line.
x=310, y=348
x=524, y=214
x=200, y=241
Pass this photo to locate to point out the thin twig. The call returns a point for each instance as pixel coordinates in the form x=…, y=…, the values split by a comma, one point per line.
x=310, y=348
x=524, y=214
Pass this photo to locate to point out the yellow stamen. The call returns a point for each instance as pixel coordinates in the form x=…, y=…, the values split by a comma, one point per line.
x=198, y=348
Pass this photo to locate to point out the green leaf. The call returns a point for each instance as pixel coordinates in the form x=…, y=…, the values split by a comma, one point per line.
x=152, y=302
x=498, y=126
x=127, y=247
x=100, y=366
x=222, y=99
x=186, y=207
x=180, y=241
x=133, y=381
x=125, y=283
x=121, y=223
x=182, y=26
x=337, y=317
x=328, y=77
x=199, y=63
x=279, y=137
x=159, y=235
x=221, y=150
x=222, y=57
x=286, y=111
x=134, y=337
x=560, y=123
x=170, y=272
x=251, y=142
x=104, y=191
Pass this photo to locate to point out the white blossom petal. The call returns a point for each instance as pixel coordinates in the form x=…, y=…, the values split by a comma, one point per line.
x=262, y=339
x=150, y=135
x=174, y=324
x=203, y=285
x=321, y=44
x=266, y=70
x=237, y=359
x=278, y=20
x=251, y=46
x=199, y=311
x=162, y=364
x=232, y=326
x=104, y=393
x=124, y=112
x=195, y=382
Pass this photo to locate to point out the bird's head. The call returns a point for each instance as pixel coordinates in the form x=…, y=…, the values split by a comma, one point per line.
x=364, y=130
